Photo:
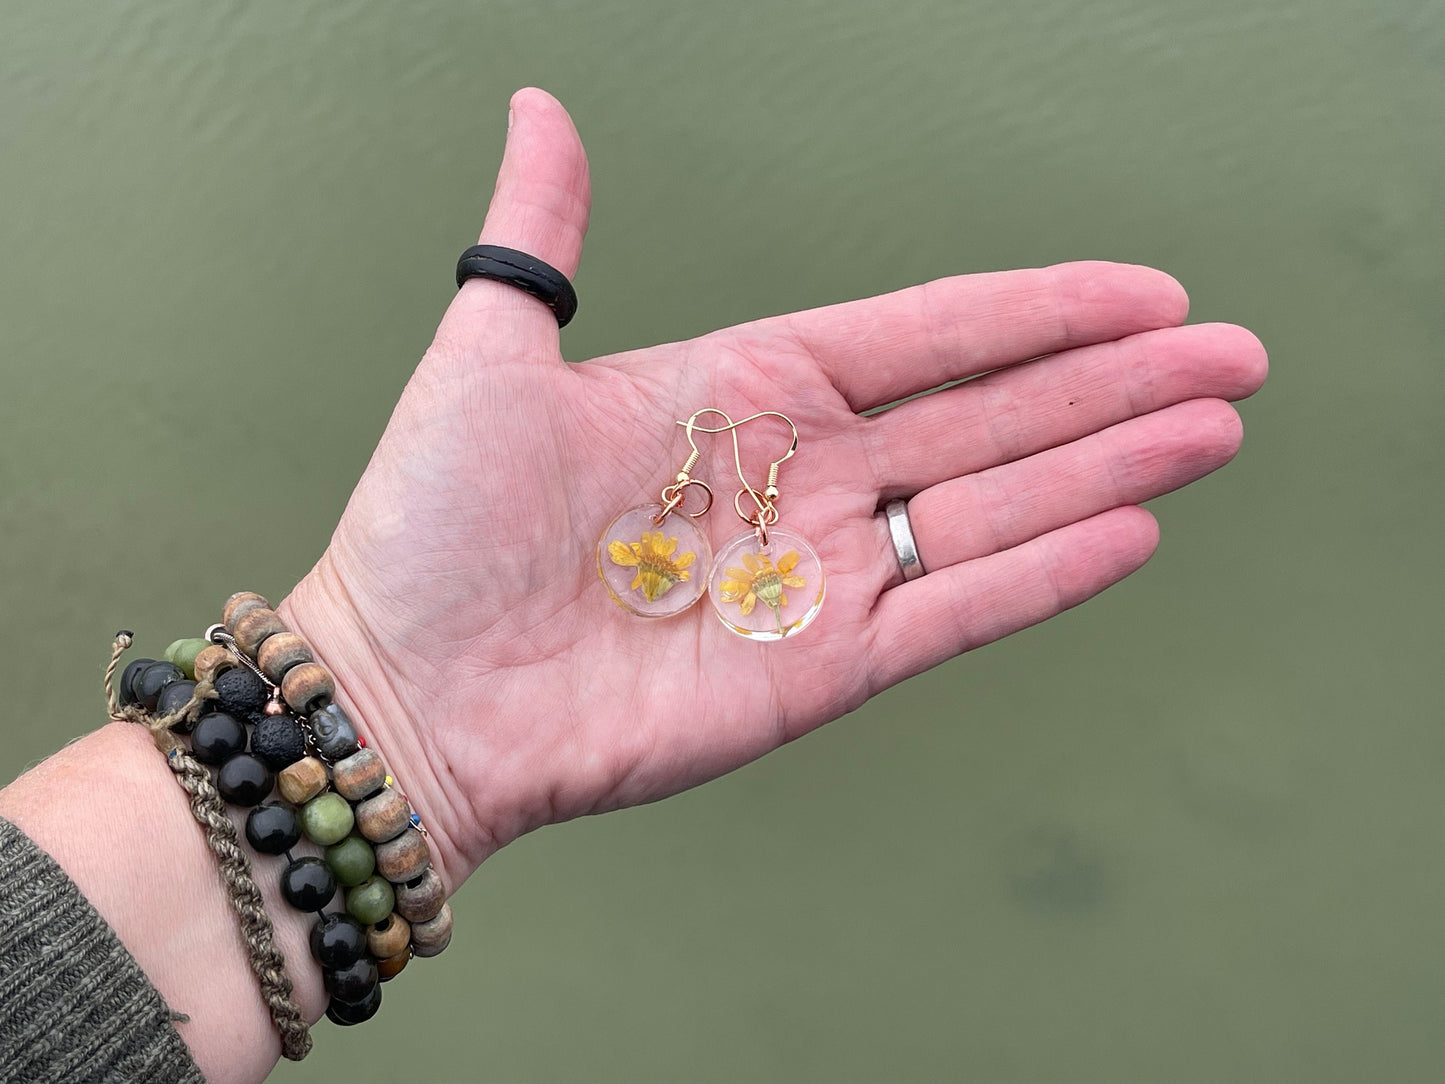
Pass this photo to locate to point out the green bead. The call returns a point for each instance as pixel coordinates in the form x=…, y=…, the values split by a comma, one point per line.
x=352, y=860
x=183, y=653
x=326, y=819
x=371, y=901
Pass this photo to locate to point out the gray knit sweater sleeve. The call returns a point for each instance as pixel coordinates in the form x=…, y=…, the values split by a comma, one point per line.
x=74, y=1005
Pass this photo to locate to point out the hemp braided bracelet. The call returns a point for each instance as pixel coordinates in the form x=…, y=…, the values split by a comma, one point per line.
x=209, y=809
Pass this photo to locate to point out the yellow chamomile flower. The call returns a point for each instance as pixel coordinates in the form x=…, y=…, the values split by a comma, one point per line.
x=761, y=581
x=657, y=569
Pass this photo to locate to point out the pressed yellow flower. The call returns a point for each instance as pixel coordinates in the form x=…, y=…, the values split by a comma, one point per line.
x=762, y=581
x=657, y=570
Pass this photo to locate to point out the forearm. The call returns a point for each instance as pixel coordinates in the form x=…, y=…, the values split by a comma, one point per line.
x=110, y=812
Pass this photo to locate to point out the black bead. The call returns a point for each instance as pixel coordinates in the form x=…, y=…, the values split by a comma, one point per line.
x=175, y=696
x=151, y=681
x=126, y=689
x=353, y=983
x=279, y=741
x=347, y=1013
x=338, y=941
x=307, y=884
x=240, y=691
x=217, y=737
x=272, y=828
x=244, y=780
x=333, y=734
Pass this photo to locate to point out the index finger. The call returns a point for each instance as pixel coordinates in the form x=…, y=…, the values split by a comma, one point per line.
x=885, y=348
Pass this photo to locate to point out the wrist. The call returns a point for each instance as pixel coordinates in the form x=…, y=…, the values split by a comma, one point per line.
x=394, y=716
x=109, y=811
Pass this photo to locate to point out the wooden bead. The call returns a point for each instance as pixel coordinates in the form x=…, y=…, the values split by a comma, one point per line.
x=253, y=626
x=403, y=858
x=390, y=967
x=212, y=661
x=383, y=816
x=389, y=936
x=359, y=776
x=242, y=602
x=421, y=899
x=429, y=938
x=302, y=781
x=306, y=686
x=279, y=652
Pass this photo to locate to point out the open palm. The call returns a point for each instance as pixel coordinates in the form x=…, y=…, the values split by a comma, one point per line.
x=458, y=602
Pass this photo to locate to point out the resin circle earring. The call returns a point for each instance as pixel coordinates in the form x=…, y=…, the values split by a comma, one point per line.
x=767, y=590
x=767, y=583
x=654, y=559
x=652, y=564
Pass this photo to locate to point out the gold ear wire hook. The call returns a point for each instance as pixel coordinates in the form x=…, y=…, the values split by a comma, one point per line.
x=672, y=494
x=767, y=512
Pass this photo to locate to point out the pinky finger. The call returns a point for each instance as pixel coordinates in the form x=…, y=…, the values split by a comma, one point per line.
x=926, y=621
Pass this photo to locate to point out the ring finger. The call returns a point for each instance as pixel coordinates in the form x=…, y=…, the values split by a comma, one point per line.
x=1004, y=506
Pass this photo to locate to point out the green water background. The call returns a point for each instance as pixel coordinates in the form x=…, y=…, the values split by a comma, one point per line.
x=1189, y=832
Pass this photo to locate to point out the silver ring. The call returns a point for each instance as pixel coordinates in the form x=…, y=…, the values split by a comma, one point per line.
x=903, y=544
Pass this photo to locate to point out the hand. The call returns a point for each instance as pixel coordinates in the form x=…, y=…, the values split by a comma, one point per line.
x=458, y=604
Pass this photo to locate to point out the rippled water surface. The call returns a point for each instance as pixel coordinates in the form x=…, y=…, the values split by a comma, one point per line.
x=1189, y=832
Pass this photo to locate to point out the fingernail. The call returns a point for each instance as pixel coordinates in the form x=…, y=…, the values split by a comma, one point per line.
x=510, y=114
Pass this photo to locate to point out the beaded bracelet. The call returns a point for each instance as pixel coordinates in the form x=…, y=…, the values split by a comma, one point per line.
x=251, y=682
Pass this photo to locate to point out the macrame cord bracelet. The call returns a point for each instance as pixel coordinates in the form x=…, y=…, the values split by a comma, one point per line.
x=209, y=809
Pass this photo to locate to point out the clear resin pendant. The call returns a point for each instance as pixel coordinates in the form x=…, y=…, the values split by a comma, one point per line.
x=652, y=569
x=767, y=592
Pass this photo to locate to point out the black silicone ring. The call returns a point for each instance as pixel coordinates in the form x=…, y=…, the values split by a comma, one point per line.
x=541, y=280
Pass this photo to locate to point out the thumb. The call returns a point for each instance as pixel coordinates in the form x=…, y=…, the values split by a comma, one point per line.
x=539, y=207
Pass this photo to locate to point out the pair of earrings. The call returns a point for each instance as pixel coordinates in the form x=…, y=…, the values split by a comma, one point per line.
x=655, y=560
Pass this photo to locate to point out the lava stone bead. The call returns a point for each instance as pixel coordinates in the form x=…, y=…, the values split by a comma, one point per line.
x=327, y=819
x=126, y=688
x=337, y=941
x=354, y=982
x=333, y=733
x=244, y=780
x=241, y=691
x=347, y=1013
x=151, y=682
x=307, y=884
x=175, y=696
x=272, y=828
x=217, y=737
x=352, y=861
x=372, y=900
x=278, y=740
